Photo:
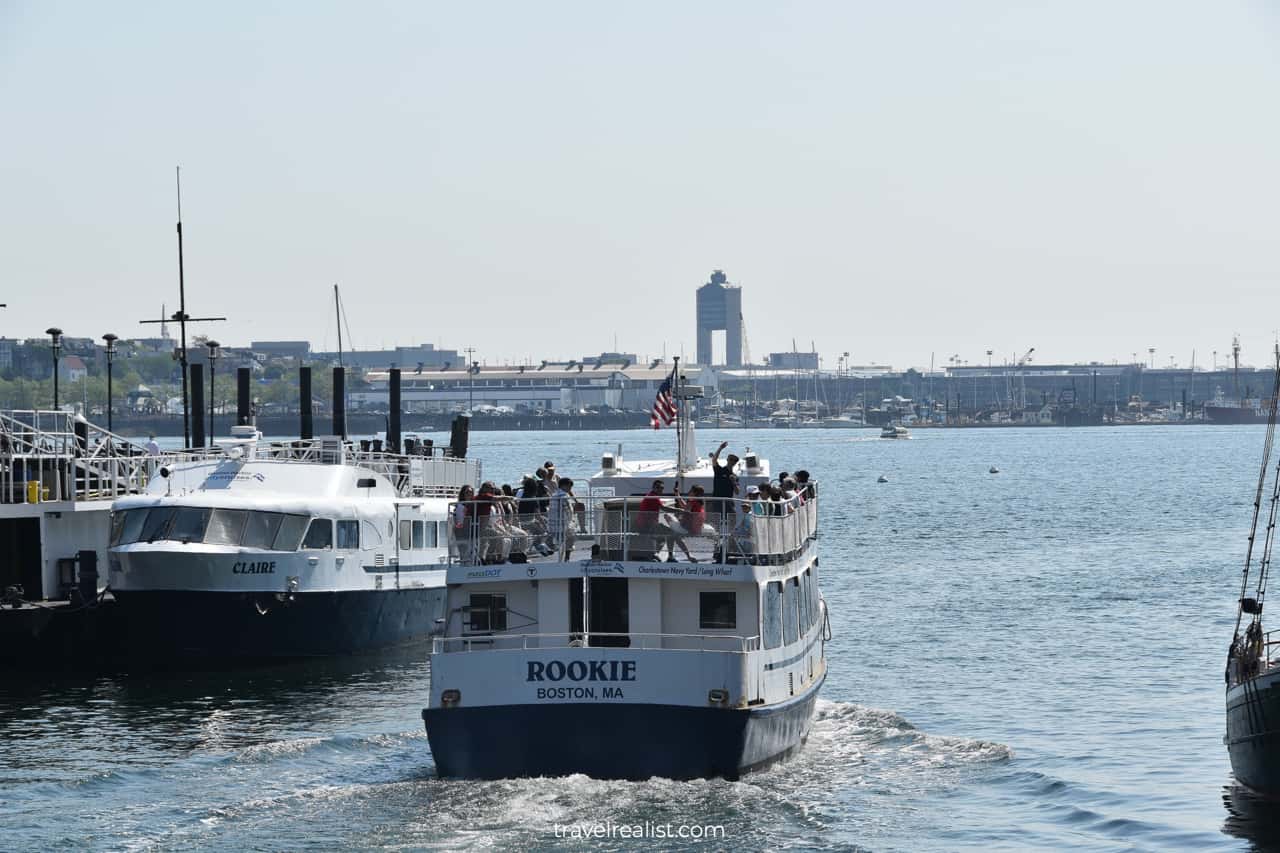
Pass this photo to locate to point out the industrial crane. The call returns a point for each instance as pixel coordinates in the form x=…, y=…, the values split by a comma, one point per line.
x=1022, y=380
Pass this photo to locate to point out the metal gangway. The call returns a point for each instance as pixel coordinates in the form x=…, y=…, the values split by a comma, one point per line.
x=48, y=456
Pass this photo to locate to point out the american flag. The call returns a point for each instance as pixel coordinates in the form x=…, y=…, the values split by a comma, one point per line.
x=664, y=405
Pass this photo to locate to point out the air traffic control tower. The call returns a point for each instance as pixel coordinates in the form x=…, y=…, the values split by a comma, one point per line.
x=720, y=307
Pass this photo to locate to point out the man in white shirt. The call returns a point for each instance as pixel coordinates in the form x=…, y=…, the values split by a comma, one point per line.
x=560, y=518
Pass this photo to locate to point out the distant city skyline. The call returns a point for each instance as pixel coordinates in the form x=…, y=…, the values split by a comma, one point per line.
x=895, y=182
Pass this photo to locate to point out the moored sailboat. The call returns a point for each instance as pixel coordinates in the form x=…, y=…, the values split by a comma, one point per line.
x=1253, y=662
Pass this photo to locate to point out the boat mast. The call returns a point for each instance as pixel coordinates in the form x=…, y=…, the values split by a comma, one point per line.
x=182, y=320
x=1265, y=562
x=337, y=316
x=1235, y=359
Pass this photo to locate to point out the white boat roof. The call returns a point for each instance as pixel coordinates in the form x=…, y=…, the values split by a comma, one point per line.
x=628, y=477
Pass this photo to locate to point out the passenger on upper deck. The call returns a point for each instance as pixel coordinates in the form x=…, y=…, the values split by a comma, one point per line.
x=531, y=513
x=691, y=521
x=647, y=521
x=510, y=522
x=463, y=511
x=494, y=544
x=724, y=483
x=741, y=544
x=807, y=487
x=561, y=523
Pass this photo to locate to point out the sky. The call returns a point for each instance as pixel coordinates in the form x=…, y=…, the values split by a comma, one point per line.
x=905, y=182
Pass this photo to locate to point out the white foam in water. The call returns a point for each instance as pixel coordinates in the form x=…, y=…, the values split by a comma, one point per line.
x=838, y=726
x=277, y=748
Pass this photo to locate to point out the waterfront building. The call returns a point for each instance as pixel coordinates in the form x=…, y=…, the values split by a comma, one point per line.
x=551, y=386
x=409, y=358
x=299, y=350
x=794, y=360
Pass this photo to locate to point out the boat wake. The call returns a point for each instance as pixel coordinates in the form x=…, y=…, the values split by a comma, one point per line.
x=862, y=774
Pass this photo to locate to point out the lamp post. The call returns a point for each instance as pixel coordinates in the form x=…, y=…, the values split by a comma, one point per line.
x=213, y=357
x=55, y=342
x=111, y=354
x=471, y=380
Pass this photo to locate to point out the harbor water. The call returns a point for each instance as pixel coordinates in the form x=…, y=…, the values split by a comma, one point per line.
x=1031, y=659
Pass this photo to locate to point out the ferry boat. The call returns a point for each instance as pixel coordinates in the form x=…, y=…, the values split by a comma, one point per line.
x=267, y=549
x=1253, y=663
x=606, y=659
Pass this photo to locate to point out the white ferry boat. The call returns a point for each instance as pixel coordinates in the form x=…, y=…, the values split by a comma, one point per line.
x=606, y=659
x=255, y=549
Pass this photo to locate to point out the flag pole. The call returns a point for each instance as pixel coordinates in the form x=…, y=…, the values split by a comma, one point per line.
x=675, y=395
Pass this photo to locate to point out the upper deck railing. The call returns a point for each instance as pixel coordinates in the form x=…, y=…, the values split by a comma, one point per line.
x=55, y=456
x=615, y=528
x=420, y=474
x=731, y=643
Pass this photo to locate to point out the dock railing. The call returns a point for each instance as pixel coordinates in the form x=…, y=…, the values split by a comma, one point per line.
x=499, y=641
x=57, y=456
x=615, y=528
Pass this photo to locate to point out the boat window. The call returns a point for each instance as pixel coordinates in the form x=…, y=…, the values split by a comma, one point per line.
x=348, y=535
x=789, y=624
x=131, y=528
x=157, y=523
x=717, y=609
x=372, y=538
x=419, y=537
x=802, y=602
x=772, y=622
x=290, y=533
x=319, y=535
x=813, y=593
x=261, y=528
x=406, y=534
x=488, y=612
x=225, y=527
x=433, y=538
x=189, y=523
x=117, y=524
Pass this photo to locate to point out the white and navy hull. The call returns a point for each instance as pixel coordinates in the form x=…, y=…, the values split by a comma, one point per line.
x=616, y=741
x=248, y=625
x=1253, y=732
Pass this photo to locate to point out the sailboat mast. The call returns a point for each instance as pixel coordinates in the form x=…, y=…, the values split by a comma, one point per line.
x=182, y=321
x=1235, y=360
x=337, y=314
x=1257, y=506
